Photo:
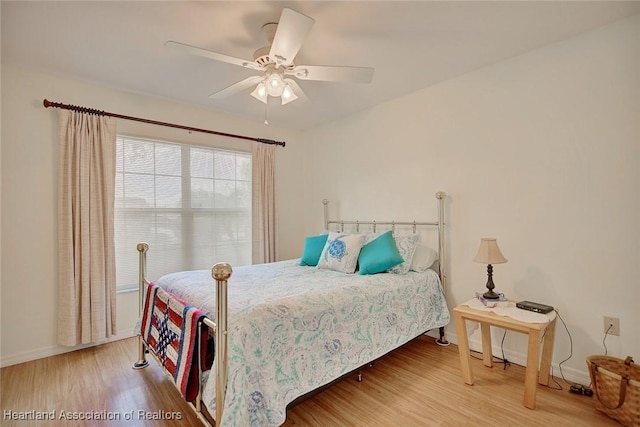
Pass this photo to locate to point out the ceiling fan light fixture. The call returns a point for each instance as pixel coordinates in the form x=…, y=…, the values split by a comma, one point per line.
x=275, y=84
x=288, y=95
x=260, y=92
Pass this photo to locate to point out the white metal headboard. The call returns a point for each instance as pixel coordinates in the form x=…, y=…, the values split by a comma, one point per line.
x=440, y=195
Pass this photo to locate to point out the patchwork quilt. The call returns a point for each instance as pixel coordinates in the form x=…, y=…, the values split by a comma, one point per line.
x=169, y=327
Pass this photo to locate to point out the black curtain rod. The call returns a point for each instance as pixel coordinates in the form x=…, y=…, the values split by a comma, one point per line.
x=80, y=109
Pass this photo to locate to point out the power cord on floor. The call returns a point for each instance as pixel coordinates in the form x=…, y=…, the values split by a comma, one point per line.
x=494, y=358
x=502, y=360
x=574, y=388
x=553, y=377
x=570, y=347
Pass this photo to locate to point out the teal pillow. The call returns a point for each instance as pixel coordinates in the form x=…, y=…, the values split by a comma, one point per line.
x=313, y=247
x=379, y=255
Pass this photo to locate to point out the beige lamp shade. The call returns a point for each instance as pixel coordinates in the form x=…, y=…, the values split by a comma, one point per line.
x=489, y=252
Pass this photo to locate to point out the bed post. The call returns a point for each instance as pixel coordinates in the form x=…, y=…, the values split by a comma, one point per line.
x=441, y=195
x=325, y=202
x=142, y=361
x=221, y=273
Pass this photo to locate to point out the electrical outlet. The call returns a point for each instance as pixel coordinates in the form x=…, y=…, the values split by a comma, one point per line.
x=611, y=325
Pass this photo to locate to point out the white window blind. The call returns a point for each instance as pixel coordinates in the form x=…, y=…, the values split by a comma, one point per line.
x=191, y=204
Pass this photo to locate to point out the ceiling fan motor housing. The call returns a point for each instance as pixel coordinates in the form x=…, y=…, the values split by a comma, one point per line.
x=261, y=56
x=269, y=30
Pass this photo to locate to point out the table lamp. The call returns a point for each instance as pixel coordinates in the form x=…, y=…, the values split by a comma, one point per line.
x=489, y=253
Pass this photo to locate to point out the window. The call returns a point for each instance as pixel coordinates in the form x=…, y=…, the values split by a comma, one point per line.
x=191, y=204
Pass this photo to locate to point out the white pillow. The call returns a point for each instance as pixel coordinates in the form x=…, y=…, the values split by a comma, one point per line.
x=341, y=251
x=423, y=258
x=407, y=247
x=370, y=237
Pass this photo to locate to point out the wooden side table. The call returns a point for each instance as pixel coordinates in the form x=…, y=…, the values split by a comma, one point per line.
x=533, y=330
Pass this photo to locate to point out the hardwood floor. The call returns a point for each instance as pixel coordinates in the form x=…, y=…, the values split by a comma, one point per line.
x=417, y=385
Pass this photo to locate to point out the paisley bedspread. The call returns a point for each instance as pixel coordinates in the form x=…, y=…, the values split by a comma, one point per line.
x=293, y=329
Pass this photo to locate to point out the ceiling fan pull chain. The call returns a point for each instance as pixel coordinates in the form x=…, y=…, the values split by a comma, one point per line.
x=266, y=106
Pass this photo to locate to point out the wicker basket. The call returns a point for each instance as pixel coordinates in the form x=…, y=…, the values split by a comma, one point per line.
x=616, y=385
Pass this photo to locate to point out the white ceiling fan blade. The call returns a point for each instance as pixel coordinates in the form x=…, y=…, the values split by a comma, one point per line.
x=292, y=30
x=216, y=56
x=237, y=87
x=297, y=89
x=333, y=74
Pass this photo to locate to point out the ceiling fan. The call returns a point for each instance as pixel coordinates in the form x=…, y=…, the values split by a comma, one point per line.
x=275, y=62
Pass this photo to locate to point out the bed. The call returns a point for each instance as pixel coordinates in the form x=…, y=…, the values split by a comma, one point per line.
x=283, y=330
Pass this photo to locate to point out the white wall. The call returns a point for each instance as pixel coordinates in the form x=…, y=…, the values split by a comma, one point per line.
x=541, y=151
x=29, y=182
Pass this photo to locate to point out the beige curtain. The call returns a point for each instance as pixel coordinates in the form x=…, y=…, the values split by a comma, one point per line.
x=264, y=203
x=86, y=254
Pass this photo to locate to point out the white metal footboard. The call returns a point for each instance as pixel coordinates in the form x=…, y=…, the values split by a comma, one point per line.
x=221, y=272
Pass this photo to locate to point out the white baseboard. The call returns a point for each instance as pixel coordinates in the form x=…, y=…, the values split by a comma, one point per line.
x=39, y=353
x=518, y=358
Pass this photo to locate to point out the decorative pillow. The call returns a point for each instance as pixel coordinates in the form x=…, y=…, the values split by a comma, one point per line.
x=341, y=251
x=379, y=255
x=407, y=247
x=370, y=237
x=423, y=258
x=313, y=249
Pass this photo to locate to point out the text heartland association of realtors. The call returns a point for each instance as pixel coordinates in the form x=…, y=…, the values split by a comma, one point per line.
x=90, y=415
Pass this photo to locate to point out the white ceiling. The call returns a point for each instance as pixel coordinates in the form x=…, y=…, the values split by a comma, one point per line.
x=411, y=45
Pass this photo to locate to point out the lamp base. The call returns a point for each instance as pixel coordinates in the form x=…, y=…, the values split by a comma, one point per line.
x=491, y=295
